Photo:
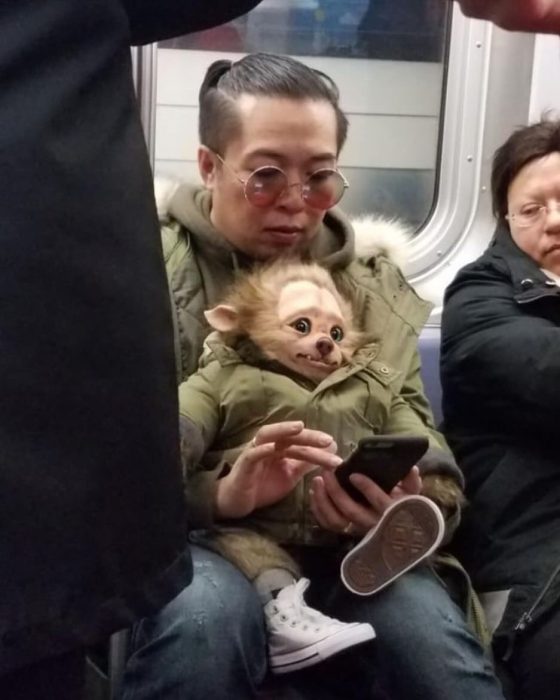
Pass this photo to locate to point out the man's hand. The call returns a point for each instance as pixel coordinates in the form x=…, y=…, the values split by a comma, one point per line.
x=335, y=510
x=271, y=465
x=517, y=15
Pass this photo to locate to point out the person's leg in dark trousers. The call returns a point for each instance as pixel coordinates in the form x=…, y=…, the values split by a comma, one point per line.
x=56, y=678
x=535, y=664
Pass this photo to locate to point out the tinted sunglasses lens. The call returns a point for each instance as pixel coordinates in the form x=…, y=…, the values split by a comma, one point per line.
x=265, y=185
x=324, y=189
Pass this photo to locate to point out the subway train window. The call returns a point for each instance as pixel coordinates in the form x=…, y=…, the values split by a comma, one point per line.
x=388, y=60
x=406, y=31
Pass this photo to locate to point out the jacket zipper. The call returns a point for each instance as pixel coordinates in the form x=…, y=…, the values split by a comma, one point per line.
x=527, y=617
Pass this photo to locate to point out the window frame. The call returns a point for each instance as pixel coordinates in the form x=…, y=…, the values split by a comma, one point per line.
x=486, y=96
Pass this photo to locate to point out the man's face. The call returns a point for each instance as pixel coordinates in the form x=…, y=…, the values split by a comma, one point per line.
x=298, y=136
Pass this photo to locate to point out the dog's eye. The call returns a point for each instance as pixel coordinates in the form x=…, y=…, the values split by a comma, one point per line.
x=302, y=325
x=337, y=334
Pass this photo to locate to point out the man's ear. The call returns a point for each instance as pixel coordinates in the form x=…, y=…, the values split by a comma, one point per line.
x=207, y=166
x=223, y=318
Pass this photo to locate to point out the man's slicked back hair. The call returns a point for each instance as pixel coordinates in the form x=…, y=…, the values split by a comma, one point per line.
x=259, y=74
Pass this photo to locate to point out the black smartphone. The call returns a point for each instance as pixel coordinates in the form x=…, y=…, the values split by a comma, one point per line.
x=386, y=459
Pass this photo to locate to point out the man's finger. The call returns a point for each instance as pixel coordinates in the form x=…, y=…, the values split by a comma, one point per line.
x=365, y=516
x=516, y=15
x=310, y=438
x=336, y=514
x=297, y=469
x=249, y=460
x=324, y=510
x=316, y=456
x=277, y=431
x=375, y=495
x=412, y=482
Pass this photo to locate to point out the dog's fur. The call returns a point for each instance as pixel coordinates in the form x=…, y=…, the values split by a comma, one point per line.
x=251, y=310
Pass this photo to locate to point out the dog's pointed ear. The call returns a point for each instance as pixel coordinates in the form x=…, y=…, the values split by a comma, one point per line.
x=223, y=318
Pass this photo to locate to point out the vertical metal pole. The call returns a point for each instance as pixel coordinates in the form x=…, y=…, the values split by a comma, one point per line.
x=144, y=67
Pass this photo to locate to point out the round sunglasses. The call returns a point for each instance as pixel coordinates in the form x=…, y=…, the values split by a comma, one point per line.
x=321, y=190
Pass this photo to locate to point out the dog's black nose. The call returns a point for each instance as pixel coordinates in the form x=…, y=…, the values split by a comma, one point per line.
x=324, y=346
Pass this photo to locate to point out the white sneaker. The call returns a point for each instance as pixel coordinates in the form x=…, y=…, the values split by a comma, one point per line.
x=299, y=636
x=409, y=531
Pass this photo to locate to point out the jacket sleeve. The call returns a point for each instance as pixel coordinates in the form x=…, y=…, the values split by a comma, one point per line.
x=414, y=413
x=154, y=20
x=377, y=287
x=436, y=462
x=412, y=392
x=199, y=423
x=404, y=420
x=498, y=359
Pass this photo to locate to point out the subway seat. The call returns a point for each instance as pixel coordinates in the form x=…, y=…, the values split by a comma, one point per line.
x=429, y=347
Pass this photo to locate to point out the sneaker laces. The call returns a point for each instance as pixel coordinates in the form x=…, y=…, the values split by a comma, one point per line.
x=290, y=605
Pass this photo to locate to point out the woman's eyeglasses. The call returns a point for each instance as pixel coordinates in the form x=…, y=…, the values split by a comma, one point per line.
x=264, y=186
x=532, y=214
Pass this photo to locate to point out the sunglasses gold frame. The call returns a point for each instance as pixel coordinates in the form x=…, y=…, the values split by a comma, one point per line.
x=301, y=185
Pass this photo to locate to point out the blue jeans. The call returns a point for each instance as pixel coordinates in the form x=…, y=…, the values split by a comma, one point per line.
x=210, y=642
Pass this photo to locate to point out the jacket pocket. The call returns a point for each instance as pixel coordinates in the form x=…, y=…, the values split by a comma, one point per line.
x=380, y=379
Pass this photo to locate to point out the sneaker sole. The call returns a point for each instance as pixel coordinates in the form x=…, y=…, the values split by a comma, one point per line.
x=314, y=654
x=406, y=535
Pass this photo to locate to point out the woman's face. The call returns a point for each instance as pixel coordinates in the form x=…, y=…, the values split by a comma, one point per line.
x=534, y=211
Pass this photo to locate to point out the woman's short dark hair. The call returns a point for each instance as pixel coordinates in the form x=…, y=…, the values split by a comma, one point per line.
x=263, y=74
x=525, y=145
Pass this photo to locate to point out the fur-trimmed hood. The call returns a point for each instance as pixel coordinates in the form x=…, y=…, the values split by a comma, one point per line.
x=378, y=235
x=343, y=239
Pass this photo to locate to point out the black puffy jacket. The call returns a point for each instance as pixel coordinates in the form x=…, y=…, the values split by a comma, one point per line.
x=91, y=513
x=500, y=369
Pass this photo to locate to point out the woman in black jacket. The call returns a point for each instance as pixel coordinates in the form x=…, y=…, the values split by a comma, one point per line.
x=92, y=528
x=500, y=371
